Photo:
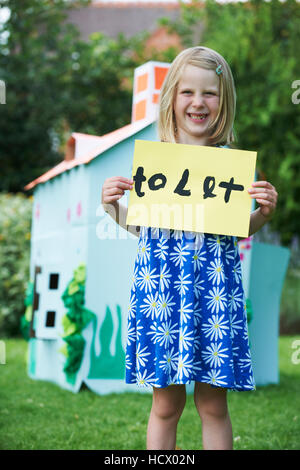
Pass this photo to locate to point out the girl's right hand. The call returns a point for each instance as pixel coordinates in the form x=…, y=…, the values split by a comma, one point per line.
x=114, y=188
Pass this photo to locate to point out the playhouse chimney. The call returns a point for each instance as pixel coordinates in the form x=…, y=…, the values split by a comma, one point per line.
x=70, y=149
x=147, y=82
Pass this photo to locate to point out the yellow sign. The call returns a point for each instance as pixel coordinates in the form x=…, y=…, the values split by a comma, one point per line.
x=191, y=187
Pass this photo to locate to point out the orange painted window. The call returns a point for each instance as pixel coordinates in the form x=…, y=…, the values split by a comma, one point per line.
x=155, y=98
x=140, y=110
x=142, y=82
x=160, y=73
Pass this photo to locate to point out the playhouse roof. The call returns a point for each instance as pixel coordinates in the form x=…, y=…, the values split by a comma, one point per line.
x=88, y=147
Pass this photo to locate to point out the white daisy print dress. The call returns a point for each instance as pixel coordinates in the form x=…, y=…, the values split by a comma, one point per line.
x=187, y=318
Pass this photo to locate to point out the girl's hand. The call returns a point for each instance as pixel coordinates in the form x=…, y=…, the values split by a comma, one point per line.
x=114, y=188
x=266, y=195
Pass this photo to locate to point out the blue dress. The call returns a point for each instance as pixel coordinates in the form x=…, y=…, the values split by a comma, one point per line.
x=187, y=318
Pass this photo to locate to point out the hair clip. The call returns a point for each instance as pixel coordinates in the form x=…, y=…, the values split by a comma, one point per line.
x=219, y=70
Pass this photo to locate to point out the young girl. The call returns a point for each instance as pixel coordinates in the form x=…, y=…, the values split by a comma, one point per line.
x=187, y=317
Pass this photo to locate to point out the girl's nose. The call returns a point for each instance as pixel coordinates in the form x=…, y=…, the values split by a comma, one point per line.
x=198, y=101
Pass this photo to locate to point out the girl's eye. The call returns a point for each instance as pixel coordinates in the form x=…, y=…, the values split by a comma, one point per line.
x=209, y=93
x=185, y=92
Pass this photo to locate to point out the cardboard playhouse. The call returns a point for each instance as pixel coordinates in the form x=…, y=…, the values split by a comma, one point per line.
x=81, y=263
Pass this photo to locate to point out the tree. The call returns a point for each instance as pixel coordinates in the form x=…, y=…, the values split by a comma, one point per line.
x=101, y=84
x=55, y=84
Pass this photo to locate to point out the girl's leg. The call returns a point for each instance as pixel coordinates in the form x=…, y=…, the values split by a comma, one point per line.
x=167, y=407
x=211, y=404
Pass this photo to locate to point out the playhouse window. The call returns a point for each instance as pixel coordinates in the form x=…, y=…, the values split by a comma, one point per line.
x=50, y=318
x=53, y=281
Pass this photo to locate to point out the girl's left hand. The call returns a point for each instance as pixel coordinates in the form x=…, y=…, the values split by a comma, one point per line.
x=266, y=195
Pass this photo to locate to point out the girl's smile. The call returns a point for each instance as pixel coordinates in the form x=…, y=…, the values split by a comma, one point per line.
x=197, y=117
x=196, y=104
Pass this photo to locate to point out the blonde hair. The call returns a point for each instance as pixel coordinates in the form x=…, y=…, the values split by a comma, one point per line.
x=221, y=130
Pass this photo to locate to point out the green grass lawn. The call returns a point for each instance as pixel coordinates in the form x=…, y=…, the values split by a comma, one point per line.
x=40, y=415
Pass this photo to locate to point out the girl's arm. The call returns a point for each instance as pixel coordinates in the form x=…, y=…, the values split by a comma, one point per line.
x=113, y=189
x=118, y=212
x=266, y=196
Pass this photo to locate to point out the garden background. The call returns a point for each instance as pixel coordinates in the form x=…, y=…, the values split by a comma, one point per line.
x=57, y=84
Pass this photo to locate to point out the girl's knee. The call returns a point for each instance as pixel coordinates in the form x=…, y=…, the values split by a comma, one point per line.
x=168, y=404
x=213, y=409
x=168, y=412
x=211, y=403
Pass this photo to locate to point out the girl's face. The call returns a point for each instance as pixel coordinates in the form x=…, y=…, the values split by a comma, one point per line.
x=196, y=104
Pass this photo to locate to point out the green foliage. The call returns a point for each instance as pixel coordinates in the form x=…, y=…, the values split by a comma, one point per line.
x=55, y=84
x=34, y=63
x=260, y=42
x=15, y=221
x=100, y=85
